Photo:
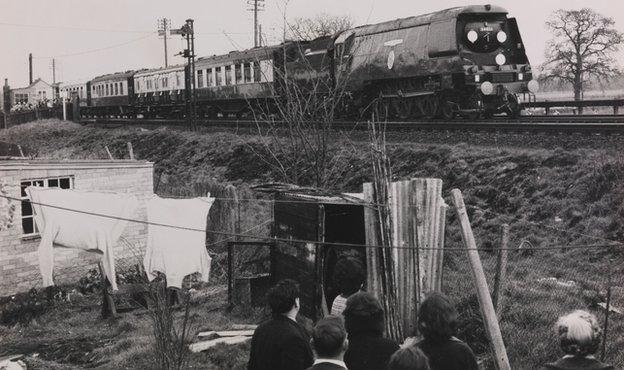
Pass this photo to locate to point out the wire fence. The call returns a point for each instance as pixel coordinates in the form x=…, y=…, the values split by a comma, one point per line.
x=542, y=282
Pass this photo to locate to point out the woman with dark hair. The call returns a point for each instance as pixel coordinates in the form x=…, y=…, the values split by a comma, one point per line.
x=579, y=338
x=437, y=322
x=364, y=321
x=348, y=278
x=409, y=358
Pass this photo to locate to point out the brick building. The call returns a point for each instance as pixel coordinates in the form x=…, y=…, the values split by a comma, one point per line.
x=37, y=91
x=19, y=239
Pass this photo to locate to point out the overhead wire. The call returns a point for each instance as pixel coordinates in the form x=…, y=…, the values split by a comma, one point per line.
x=302, y=241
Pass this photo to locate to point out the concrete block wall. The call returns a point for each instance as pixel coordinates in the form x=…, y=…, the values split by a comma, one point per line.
x=19, y=264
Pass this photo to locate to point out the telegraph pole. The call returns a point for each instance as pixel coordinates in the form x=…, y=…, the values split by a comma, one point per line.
x=255, y=7
x=164, y=25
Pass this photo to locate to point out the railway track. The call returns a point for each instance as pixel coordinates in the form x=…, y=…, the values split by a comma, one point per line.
x=588, y=124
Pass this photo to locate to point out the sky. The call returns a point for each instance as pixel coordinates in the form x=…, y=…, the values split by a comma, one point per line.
x=88, y=38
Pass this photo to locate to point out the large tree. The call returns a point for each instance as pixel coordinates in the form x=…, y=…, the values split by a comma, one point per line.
x=322, y=24
x=583, y=47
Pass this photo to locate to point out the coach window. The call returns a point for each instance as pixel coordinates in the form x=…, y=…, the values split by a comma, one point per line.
x=257, y=72
x=200, y=78
x=238, y=73
x=156, y=84
x=29, y=228
x=116, y=89
x=247, y=72
x=218, y=76
x=106, y=89
x=209, y=79
x=228, y=75
x=121, y=88
x=177, y=80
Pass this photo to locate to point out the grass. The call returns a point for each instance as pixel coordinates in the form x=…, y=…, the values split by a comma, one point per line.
x=73, y=336
x=553, y=190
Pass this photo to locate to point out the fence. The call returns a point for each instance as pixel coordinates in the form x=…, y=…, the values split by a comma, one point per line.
x=17, y=118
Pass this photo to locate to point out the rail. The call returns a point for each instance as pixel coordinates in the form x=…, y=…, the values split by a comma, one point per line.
x=577, y=104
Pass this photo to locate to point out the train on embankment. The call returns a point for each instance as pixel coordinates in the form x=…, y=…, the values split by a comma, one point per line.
x=465, y=61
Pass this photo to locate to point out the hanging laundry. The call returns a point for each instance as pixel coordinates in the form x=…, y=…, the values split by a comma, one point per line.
x=177, y=252
x=69, y=218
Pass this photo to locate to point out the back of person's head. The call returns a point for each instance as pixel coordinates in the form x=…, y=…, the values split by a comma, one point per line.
x=363, y=315
x=348, y=275
x=579, y=333
x=437, y=318
x=409, y=358
x=329, y=337
x=282, y=296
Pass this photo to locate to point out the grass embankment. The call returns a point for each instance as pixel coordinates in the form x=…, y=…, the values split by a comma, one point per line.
x=568, y=194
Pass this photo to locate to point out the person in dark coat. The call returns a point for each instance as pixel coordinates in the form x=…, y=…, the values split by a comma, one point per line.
x=437, y=322
x=579, y=338
x=364, y=321
x=409, y=358
x=329, y=340
x=281, y=343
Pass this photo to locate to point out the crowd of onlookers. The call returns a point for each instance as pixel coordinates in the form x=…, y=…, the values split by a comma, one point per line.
x=352, y=337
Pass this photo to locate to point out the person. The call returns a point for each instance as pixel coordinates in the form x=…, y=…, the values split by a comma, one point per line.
x=348, y=278
x=364, y=321
x=409, y=358
x=579, y=338
x=437, y=322
x=281, y=343
x=329, y=341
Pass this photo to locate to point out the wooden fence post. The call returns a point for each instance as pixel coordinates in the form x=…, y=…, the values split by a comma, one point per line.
x=485, y=300
x=110, y=156
x=232, y=198
x=130, y=150
x=501, y=272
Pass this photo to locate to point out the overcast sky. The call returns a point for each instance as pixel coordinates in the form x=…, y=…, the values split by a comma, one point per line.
x=93, y=37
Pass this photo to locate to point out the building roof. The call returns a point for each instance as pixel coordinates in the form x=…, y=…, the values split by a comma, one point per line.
x=24, y=164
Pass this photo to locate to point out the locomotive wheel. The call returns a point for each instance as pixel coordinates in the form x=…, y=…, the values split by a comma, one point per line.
x=447, y=110
x=431, y=106
x=402, y=108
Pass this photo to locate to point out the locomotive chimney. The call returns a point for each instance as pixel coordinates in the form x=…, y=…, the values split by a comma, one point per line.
x=30, y=69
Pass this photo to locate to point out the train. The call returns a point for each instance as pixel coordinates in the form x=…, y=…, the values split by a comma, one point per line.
x=467, y=61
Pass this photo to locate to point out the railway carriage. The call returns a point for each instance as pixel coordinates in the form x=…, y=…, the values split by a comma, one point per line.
x=230, y=84
x=79, y=90
x=112, y=95
x=160, y=92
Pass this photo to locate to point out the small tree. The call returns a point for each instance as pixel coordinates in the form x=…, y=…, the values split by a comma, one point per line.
x=322, y=24
x=583, y=46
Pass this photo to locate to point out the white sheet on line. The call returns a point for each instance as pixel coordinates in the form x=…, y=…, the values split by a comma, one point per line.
x=80, y=230
x=177, y=252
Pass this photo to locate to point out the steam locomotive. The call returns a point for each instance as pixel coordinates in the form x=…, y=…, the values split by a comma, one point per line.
x=464, y=61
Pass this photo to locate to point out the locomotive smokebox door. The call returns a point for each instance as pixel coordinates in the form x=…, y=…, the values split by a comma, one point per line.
x=310, y=230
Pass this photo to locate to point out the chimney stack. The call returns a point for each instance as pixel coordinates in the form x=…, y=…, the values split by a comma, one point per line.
x=30, y=69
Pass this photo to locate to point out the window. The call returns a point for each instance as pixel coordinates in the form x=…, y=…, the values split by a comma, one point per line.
x=257, y=72
x=28, y=224
x=156, y=84
x=200, y=78
x=238, y=74
x=165, y=82
x=247, y=72
x=106, y=89
x=209, y=79
x=121, y=88
x=228, y=75
x=116, y=89
x=218, y=76
x=177, y=79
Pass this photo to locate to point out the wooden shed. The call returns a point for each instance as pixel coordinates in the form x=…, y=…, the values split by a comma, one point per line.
x=314, y=223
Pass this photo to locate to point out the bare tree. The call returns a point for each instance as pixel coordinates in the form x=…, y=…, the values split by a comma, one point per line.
x=320, y=25
x=298, y=137
x=583, y=46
